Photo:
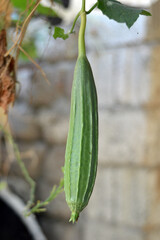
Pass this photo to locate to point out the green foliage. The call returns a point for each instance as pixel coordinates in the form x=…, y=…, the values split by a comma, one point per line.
x=113, y=10
x=46, y=11
x=120, y=12
x=22, y=5
x=59, y=33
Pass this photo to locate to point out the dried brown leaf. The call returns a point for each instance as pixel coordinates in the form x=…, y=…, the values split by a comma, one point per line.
x=7, y=74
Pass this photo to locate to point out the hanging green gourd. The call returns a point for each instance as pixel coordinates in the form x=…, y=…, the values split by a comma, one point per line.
x=82, y=143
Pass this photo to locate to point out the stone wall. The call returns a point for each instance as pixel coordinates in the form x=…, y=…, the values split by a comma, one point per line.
x=125, y=204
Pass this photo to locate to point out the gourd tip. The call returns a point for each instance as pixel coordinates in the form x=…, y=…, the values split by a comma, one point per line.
x=74, y=217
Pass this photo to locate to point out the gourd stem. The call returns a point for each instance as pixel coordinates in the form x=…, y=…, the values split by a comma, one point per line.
x=81, y=40
x=83, y=5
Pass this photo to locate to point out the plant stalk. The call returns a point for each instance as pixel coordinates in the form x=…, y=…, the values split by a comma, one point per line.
x=92, y=8
x=81, y=40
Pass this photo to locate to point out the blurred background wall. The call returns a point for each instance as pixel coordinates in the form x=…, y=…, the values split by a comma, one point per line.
x=125, y=204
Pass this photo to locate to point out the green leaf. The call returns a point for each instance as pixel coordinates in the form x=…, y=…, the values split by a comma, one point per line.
x=59, y=33
x=46, y=11
x=146, y=13
x=22, y=6
x=120, y=12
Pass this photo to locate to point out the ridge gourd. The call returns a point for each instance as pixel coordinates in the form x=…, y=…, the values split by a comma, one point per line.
x=82, y=142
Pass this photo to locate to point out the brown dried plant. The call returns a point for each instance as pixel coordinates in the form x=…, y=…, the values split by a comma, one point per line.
x=5, y=13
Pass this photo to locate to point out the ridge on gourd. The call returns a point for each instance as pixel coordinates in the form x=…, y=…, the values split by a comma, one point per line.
x=82, y=142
